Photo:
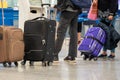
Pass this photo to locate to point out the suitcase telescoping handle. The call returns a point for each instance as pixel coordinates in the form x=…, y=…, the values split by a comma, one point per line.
x=42, y=5
x=45, y=5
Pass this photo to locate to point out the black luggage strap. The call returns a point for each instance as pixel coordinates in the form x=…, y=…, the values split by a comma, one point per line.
x=95, y=39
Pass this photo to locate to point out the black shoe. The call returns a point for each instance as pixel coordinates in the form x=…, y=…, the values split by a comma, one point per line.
x=56, y=58
x=69, y=58
x=102, y=56
x=111, y=57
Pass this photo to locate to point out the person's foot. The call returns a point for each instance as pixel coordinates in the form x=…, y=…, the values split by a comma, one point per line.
x=102, y=56
x=111, y=56
x=55, y=59
x=69, y=58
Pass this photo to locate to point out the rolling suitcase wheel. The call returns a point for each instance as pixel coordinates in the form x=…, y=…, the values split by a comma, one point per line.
x=85, y=57
x=82, y=53
x=91, y=57
x=23, y=62
x=46, y=63
x=9, y=63
x=31, y=63
x=95, y=59
x=49, y=63
x=4, y=64
x=16, y=64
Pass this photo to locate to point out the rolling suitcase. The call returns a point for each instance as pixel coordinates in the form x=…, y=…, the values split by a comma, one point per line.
x=11, y=45
x=39, y=39
x=92, y=43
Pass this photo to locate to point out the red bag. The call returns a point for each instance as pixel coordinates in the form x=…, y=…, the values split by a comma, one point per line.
x=93, y=12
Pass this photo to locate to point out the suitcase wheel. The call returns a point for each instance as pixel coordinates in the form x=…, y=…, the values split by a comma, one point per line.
x=4, y=64
x=91, y=57
x=23, y=62
x=46, y=63
x=85, y=57
x=49, y=63
x=31, y=63
x=16, y=64
x=95, y=59
x=82, y=53
x=9, y=63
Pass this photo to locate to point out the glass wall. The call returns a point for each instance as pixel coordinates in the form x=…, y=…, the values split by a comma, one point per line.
x=12, y=3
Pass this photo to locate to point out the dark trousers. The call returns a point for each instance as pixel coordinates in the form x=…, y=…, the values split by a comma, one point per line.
x=67, y=19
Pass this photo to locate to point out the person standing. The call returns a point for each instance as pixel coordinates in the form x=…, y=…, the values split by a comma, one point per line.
x=68, y=18
x=108, y=12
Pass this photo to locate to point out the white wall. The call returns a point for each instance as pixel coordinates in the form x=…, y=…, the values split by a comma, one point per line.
x=24, y=10
x=25, y=7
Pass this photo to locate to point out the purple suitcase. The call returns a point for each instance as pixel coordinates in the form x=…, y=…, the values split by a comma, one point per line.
x=93, y=41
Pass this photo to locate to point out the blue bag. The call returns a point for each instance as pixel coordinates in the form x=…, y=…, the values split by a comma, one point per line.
x=82, y=3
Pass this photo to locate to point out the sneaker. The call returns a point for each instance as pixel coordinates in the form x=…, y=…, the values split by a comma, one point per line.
x=102, y=56
x=111, y=57
x=55, y=59
x=69, y=58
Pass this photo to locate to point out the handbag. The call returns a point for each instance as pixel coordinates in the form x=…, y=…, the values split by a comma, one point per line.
x=93, y=12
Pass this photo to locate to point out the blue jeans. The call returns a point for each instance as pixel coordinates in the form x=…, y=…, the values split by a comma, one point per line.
x=112, y=50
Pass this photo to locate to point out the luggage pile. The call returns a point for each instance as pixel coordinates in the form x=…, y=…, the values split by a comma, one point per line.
x=35, y=44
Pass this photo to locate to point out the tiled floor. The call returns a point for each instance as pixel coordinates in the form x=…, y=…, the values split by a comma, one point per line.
x=81, y=70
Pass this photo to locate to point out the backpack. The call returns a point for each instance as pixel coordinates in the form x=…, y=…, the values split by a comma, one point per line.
x=82, y=3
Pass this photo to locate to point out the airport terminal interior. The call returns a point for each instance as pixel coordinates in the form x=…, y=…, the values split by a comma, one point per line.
x=101, y=69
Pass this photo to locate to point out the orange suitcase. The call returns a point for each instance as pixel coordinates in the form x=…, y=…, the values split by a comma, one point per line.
x=11, y=45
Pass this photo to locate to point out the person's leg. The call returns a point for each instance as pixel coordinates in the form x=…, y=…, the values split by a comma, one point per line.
x=113, y=52
x=112, y=55
x=79, y=31
x=73, y=39
x=61, y=31
x=104, y=53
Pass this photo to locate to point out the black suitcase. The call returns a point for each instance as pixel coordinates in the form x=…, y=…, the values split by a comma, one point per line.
x=39, y=39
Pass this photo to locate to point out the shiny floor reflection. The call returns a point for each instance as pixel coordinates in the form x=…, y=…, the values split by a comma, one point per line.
x=81, y=70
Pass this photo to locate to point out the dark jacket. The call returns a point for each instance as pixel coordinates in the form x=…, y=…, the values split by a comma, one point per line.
x=62, y=5
x=111, y=5
x=105, y=9
x=112, y=36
